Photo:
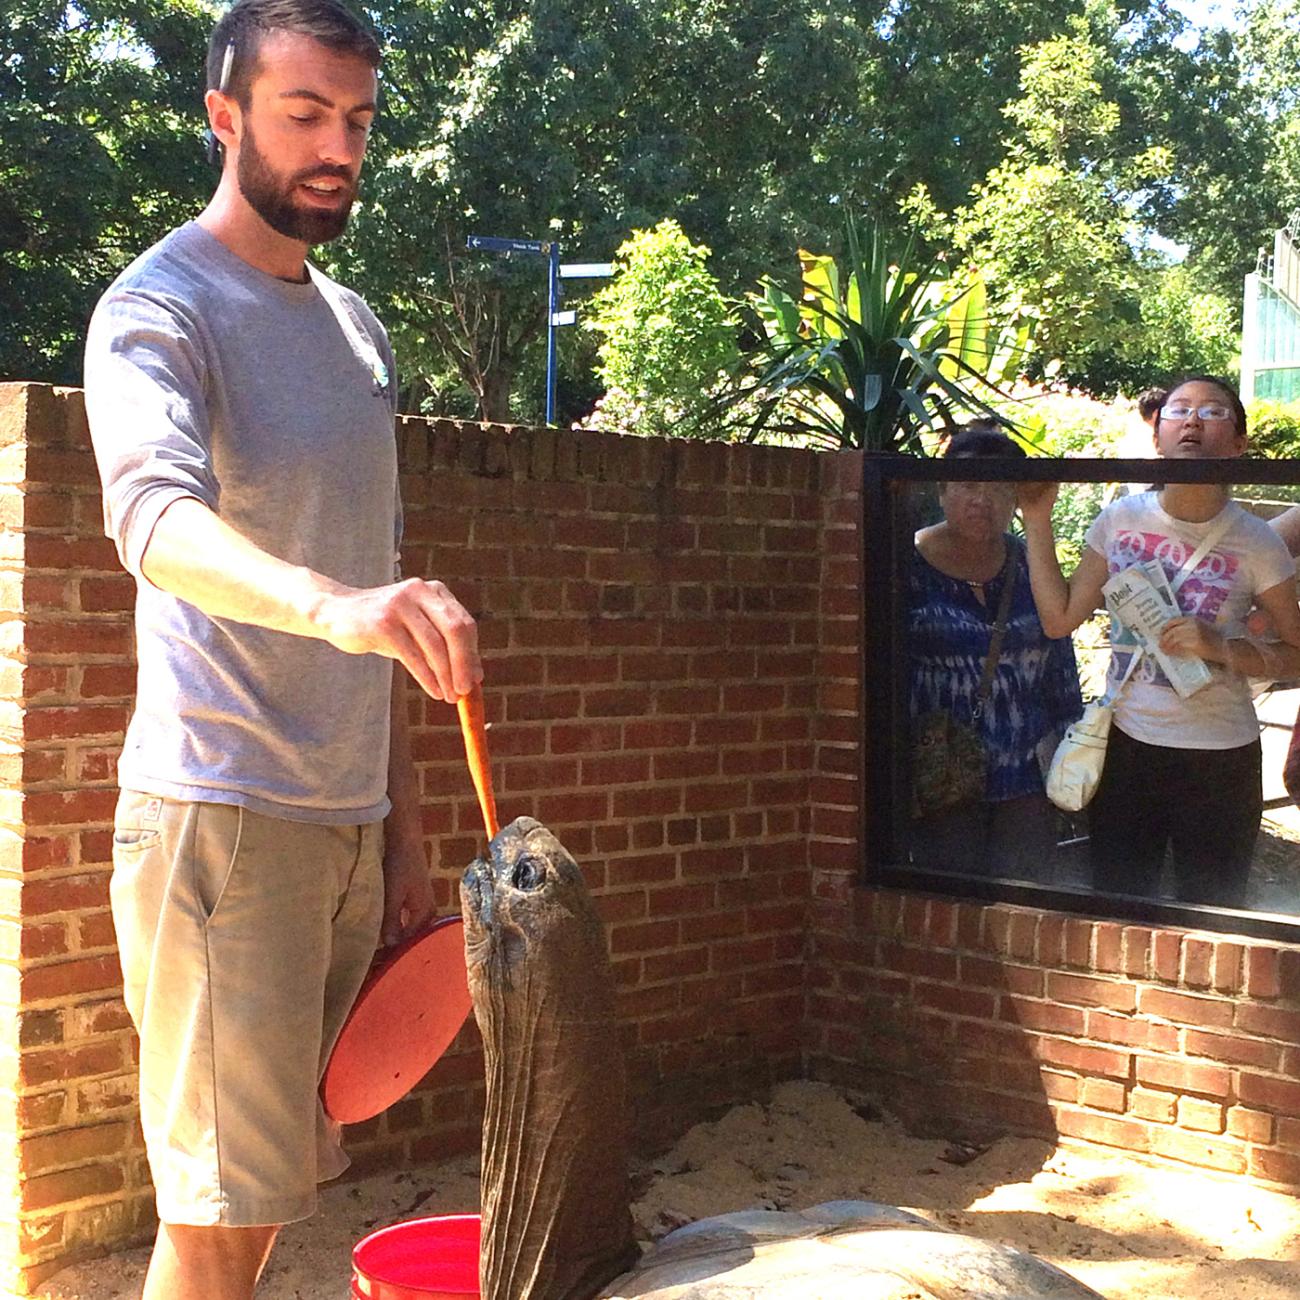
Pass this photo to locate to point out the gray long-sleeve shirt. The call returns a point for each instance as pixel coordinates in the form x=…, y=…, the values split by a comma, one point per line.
x=272, y=403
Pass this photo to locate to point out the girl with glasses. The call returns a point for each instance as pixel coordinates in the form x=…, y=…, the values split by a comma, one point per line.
x=1181, y=772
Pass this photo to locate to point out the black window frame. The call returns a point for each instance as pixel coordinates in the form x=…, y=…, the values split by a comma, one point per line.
x=886, y=536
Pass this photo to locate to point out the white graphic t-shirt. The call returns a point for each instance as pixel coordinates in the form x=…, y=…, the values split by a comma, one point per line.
x=1247, y=559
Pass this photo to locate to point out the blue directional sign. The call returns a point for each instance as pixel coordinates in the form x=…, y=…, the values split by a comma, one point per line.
x=555, y=272
x=490, y=244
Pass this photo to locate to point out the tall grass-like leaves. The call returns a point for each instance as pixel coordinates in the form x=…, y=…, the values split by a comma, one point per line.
x=879, y=351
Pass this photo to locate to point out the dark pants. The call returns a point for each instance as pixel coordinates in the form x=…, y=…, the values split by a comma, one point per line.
x=1012, y=837
x=1205, y=803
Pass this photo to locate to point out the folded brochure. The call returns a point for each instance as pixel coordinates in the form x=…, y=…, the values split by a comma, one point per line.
x=1140, y=598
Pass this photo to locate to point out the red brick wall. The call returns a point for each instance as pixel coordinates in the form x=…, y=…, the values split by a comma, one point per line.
x=672, y=632
x=982, y=1018
x=650, y=622
x=77, y=1175
x=648, y=612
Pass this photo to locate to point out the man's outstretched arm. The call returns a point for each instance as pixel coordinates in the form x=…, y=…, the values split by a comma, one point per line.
x=193, y=554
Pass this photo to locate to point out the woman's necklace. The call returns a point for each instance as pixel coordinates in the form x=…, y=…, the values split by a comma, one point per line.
x=978, y=585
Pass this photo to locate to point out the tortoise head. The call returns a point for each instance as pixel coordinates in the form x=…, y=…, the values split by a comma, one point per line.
x=526, y=900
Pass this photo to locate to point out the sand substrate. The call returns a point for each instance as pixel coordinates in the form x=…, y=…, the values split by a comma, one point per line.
x=1131, y=1231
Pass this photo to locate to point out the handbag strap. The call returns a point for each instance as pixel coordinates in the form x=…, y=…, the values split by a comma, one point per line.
x=1110, y=697
x=999, y=633
x=1208, y=543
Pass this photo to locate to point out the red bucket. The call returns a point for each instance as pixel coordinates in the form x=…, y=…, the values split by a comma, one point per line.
x=422, y=1259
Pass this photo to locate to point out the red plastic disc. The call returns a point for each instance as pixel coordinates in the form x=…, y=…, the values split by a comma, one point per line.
x=404, y=1018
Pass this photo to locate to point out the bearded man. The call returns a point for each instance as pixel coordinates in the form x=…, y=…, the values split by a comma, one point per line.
x=268, y=831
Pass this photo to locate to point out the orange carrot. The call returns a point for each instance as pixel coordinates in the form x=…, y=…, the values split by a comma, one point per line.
x=470, y=708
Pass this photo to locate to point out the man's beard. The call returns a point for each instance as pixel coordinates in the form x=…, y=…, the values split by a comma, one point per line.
x=271, y=196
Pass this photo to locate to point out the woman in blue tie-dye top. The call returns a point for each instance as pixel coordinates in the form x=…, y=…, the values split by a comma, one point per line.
x=956, y=584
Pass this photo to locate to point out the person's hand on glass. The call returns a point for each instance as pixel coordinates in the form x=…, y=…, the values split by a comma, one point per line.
x=1035, y=500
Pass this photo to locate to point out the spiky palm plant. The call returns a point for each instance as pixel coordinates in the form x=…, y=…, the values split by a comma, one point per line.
x=878, y=351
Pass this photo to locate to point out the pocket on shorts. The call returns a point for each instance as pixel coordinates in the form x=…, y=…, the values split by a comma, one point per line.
x=214, y=855
x=131, y=839
x=136, y=824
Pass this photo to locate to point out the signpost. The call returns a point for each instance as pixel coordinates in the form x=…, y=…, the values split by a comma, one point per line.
x=586, y=270
x=487, y=244
x=555, y=318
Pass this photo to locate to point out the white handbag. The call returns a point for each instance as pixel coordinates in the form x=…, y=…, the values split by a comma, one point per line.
x=1075, y=771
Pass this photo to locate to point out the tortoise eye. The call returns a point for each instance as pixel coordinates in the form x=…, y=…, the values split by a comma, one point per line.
x=529, y=873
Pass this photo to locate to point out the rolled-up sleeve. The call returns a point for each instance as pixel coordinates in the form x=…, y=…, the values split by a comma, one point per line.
x=146, y=381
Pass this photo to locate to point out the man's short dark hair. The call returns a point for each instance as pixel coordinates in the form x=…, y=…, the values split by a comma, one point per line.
x=1149, y=401
x=244, y=26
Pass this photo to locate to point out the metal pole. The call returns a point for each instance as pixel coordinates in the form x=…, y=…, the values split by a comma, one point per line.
x=552, y=305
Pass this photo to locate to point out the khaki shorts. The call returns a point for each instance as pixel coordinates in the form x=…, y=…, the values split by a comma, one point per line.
x=243, y=939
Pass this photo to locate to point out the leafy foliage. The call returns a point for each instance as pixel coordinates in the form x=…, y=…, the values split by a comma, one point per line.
x=931, y=79
x=1270, y=49
x=1220, y=108
x=99, y=156
x=1048, y=227
x=1187, y=327
x=1056, y=226
x=667, y=333
x=876, y=354
x=1274, y=429
x=1057, y=137
x=580, y=121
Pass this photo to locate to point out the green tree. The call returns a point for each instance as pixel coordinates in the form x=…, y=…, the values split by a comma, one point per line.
x=99, y=155
x=1270, y=47
x=1274, y=429
x=579, y=120
x=666, y=333
x=1050, y=226
x=753, y=123
x=1188, y=327
x=931, y=81
x=1201, y=116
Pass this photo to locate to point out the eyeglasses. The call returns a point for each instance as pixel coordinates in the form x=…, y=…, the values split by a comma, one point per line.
x=1180, y=411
